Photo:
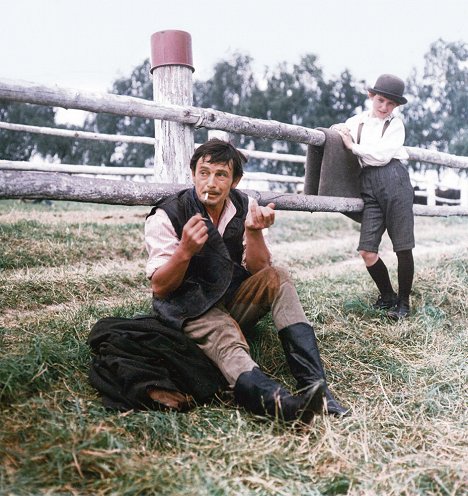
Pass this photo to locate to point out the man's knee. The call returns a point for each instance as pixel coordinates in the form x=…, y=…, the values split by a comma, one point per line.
x=273, y=276
x=282, y=273
x=259, y=289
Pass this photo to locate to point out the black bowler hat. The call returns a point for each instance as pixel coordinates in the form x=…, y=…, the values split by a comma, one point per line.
x=390, y=87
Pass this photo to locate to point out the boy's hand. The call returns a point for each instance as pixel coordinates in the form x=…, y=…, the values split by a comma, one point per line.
x=346, y=137
x=260, y=217
x=339, y=127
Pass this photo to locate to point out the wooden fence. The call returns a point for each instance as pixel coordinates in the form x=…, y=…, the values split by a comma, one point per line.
x=16, y=183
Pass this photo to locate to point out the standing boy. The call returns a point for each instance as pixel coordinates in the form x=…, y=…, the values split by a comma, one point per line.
x=376, y=137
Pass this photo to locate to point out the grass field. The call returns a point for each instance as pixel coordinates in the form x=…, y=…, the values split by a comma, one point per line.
x=64, y=267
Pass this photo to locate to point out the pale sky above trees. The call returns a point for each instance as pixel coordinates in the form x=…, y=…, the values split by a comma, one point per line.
x=88, y=44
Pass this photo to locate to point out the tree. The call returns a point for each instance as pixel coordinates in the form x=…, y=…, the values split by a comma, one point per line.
x=300, y=95
x=23, y=146
x=139, y=84
x=233, y=89
x=437, y=114
x=341, y=98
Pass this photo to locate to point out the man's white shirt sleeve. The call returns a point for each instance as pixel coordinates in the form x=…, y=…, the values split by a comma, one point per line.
x=161, y=240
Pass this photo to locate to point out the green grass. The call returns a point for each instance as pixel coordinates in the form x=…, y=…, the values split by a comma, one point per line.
x=64, y=267
x=27, y=244
x=36, y=292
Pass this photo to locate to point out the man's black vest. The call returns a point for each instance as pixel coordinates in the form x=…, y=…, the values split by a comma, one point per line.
x=213, y=273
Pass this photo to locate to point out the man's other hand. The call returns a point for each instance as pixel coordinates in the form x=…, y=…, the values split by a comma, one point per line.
x=260, y=217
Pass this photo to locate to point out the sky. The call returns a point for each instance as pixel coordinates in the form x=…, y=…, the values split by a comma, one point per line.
x=87, y=44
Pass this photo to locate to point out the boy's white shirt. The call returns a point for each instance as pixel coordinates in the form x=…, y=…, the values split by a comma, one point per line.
x=161, y=239
x=374, y=149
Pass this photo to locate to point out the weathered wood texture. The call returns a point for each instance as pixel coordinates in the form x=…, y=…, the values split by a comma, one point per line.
x=76, y=169
x=22, y=91
x=59, y=186
x=124, y=171
x=174, y=140
x=435, y=157
x=66, y=133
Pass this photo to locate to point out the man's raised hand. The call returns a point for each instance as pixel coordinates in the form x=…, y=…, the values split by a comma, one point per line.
x=260, y=217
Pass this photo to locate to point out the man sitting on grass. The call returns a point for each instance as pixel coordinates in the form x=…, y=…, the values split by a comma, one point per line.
x=212, y=278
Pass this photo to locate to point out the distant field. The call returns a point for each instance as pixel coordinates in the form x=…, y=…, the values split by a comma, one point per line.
x=62, y=267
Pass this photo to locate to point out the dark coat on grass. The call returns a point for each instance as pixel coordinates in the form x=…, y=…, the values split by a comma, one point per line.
x=133, y=355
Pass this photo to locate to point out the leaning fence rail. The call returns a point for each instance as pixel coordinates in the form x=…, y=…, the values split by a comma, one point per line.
x=23, y=91
x=83, y=189
x=147, y=174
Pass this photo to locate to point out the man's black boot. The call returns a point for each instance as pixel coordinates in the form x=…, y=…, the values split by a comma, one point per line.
x=303, y=357
x=386, y=301
x=262, y=395
x=402, y=310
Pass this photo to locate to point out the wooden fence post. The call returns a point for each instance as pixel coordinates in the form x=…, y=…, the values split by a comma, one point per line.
x=171, y=67
x=431, y=192
x=216, y=133
x=464, y=190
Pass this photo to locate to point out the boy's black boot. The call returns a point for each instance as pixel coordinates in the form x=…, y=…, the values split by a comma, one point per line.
x=386, y=301
x=262, y=395
x=303, y=357
x=402, y=310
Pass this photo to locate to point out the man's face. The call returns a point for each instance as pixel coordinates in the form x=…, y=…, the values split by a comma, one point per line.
x=213, y=181
x=382, y=107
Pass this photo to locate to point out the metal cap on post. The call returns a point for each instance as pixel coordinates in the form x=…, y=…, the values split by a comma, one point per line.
x=172, y=68
x=171, y=48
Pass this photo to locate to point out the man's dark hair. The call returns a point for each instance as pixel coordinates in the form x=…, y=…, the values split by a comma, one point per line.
x=220, y=152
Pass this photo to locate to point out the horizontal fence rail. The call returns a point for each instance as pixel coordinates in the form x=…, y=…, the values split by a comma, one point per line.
x=147, y=174
x=76, y=169
x=58, y=186
x=75, y=134
x=30, y=185
x=420, y=154
x=142, y=140
x=22, y=91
